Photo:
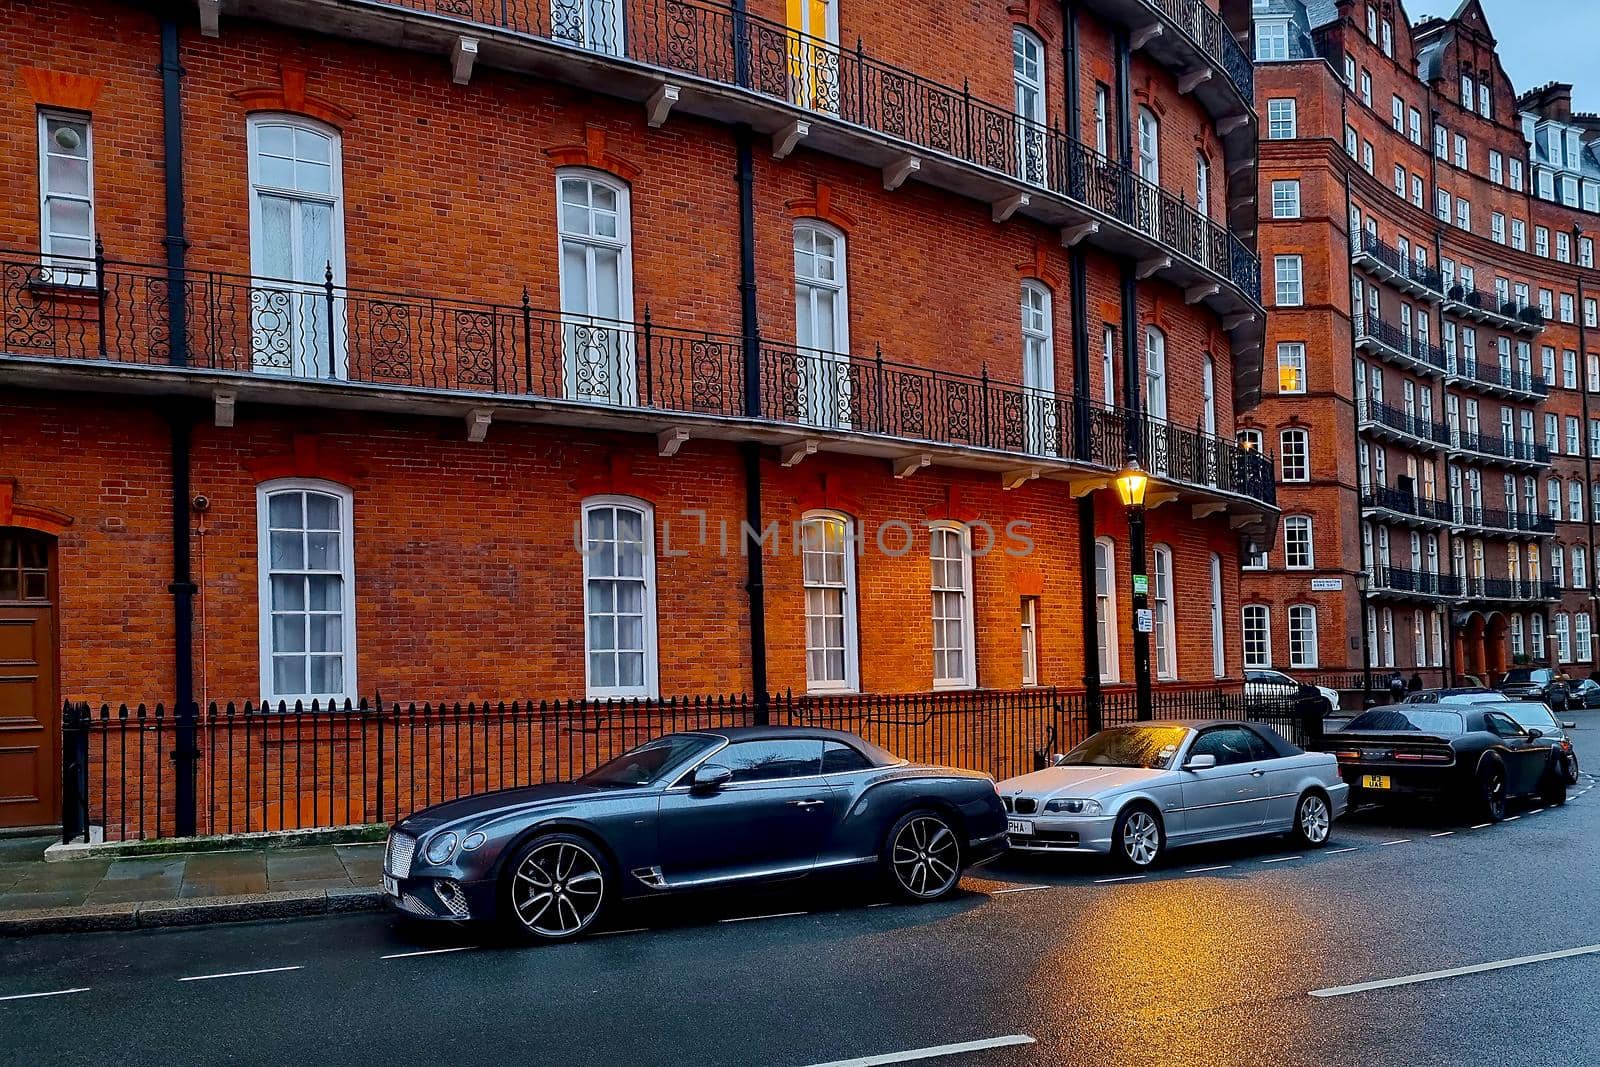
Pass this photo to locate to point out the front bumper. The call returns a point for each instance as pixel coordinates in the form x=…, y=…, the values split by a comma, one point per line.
x=1064, y=833
x=441, y=899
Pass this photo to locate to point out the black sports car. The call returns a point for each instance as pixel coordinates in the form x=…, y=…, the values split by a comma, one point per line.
x=688, y=811
x=1460, y=752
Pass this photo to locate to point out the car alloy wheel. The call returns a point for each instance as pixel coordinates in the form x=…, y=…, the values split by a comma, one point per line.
x=1494, y=794
x=557, y=889
x=1141, y=838
x=1313, y=820
x=926, y=857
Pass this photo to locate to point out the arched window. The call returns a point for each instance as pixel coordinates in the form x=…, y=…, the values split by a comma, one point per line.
x=822, y=323
x=1219, y=660
x=1558, y=566
x=1580, y=567
x=1105, y=608
x=1027, y=76
x=1257, y=636
x=950, y=552
x=813, y=53
x=1536, y=645
x=619, y=580
x=1166, y=649
x=596, y=246
x=1202, y=184
x=1563, y=624
x=296, y=237
x=828, y=572
x=1208, y=395
x=1302, y=635
x=305, y=548
x=1039, y=369
x=1155, y=372
x=1149, y=146
x=1514, y=629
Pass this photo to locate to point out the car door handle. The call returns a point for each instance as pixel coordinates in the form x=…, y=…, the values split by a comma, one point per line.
x=806, y=803
x=1257, y=773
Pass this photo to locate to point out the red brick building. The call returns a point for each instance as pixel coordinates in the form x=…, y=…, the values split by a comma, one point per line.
x=1432, y=290
x=452, y=349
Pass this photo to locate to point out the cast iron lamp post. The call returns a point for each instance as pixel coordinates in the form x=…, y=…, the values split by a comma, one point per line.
x=1131, y=485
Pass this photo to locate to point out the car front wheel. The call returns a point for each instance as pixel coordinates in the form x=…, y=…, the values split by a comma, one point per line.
x=554, y=888
x=1313, y=821
x=1137, y=839
x=1492, y=792
x=922, y=856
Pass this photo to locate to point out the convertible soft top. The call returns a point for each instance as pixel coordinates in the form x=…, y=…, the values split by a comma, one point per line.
x=1280, y=746
x=878, y=757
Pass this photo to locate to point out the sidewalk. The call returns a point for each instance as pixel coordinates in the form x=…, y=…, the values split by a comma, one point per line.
x=180, y=889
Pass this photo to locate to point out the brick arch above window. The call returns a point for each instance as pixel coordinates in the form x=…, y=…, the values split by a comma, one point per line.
x=1040, y=269
x=821, y=205
x=55, y=88
x=36, y=517
x=830, y=492
x=594, y=152
x=1029, y=15
x=290, y=96
x=306, y=458
x=615, y=476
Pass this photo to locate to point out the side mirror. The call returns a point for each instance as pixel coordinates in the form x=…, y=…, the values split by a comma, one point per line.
x=1059, y=760
x=1569, y=726
x=710, y=778
x=1202, y=762
x=1534, y=735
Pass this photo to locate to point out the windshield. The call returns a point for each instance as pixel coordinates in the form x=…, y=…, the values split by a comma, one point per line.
x=1415, y=717
x=1151, y=747
x=1522, y=674
x=1529, y=714
x=647, y=764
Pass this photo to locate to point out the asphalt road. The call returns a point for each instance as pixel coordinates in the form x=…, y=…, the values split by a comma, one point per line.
x=1215, y=959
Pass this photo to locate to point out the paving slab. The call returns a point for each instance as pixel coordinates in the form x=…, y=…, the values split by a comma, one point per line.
x=305, y=863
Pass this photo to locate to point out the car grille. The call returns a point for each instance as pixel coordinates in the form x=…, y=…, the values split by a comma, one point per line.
x=415, y=906
x=1046, y=839
x=1027, y=805
x=397, y=855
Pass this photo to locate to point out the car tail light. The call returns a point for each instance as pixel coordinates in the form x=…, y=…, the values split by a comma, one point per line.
x=1346, y=757
x=1424, y=757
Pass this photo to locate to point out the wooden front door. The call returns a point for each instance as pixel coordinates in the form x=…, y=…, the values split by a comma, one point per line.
x=30, y=710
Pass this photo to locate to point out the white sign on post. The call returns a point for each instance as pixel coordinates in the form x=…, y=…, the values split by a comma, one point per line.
x=1144, y=621
x=1327, y=585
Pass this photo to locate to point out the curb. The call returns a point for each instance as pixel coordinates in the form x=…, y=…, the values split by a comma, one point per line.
x=196, y=911
x=270, y=839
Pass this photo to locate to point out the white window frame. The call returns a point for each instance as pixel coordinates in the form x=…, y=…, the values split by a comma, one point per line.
x=1029, y=96
x=851, y=682
x=1291, y=367
x=1039, y=367
x=1299, y=522
x=1149, y=131
x=1105, y=610
x=1028, y=625
x=826, y=373
x=1263, y=613
x=347, y=575
x=968, y=679
x=1164, y=641
x=1286, y=118
x=1308, y=636
x=650, y=687
x=81, y=269
x=1219, y=641
x=1286, y=199
x=1288, y=274
x=579, y=329
x=1304, y=470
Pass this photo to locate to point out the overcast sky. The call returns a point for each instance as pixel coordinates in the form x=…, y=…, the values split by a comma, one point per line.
x=1541, y=41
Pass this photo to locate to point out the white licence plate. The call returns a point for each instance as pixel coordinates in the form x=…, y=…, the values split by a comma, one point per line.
x=1020, y=827
x=391, y=886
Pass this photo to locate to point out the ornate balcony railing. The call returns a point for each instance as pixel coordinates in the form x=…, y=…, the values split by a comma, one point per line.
x=1414, y=426
x=1211, y=33
x=1397, y=264
x=1511, y=589
x=1499, y=519
x=118, y=313
x=724, y=45
x=1476, y=303
x=1420, y=583
x=1400, y=343
x=1402, y=502
x=1498, y=447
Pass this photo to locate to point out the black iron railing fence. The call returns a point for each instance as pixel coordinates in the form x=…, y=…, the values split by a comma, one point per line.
x=1498, y=519
x=1514, y=311
x=1406, y=422
x=1407, y=580
x=1488, y=444
x=1400, y=341
x=1398, y=262
x=269, y=767
x=1407, y=503
x=730, y=46
x=1498, y=374
x=118, y=313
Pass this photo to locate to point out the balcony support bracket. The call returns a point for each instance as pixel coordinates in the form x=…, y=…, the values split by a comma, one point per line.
x=463, y=54
x=1195, y=294
x=223, y=402
x=896, y=173
x=1156, y=499
x=1207, y=509
x=1231, y=123
x=1016, y=479
x=1143, y=35
x=1082, y=487
x=906, y=466
x=210, y=18
x=793, y=454
x=478, y=420
x=1234, y=322
x=1149, y=268
x=1071, y=236
x=670, y=440
x=1191, y=81
x=1004, y=208
x=1239, y=522
x=787, y=137
x=659, y=106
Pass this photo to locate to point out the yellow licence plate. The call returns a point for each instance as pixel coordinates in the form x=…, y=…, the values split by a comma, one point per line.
x=1375, y=781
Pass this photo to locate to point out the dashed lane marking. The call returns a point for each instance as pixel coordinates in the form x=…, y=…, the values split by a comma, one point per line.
x=931, y=1052
x=1203, y=870
x=1020, y=889
x=1443, y=833
x=1399, y=841
x=1337, y=851
x=238, y=974
x=52, y=993
x=1476, y=968
x=1280, y=859
x=1123, y=878
x=1481, y=825
x=1513, y=818
x=427, y=952
x=753, y=918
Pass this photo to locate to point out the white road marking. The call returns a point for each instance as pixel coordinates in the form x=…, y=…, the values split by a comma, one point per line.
x=931, y=1052
x=1513, y=818
x=238, y=974
x=1481, y=825
x=1124, y=878
x=1280, y=859
x=1453, y=972
x=753, y=918
x=1020, y=889
x=1203, y=870
x=1445, y=833
x=881, y=904
x=427, y=952
x=614, y=933
x=1336, y=851
x=1399, y=841
x=52, y=993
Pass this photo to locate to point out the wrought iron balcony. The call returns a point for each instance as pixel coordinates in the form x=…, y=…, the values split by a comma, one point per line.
x=1402, y=580
x=1405, y=503
x=1495, y=519
x=1497, y=378
x=1207, y=29
x=1390, y=264
x=108, y=315
x=1396, y=345
x=1505, y=450
x=1487, y=307
x=1510, y=589
x=1391, y=421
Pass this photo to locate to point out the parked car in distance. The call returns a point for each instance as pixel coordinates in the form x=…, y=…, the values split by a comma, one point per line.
x=1470, y=754
x=1460, y=695
x=1262, y=684
x=1135, y=791
x=1547, y=730
x=1585, y=694
x=1536, y=683
x=689, y=811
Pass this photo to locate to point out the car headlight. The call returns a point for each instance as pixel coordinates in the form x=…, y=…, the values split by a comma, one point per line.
x=441, y=848
x=1075, y=807
x=474, y=839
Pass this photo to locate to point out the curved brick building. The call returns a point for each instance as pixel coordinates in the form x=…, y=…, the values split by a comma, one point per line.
x=423, y=296
x=1431, y=359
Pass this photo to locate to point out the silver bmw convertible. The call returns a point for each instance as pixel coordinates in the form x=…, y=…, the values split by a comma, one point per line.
x=1135, y=791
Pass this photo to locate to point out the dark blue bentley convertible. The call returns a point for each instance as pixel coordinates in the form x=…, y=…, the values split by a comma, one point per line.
x=687, y=811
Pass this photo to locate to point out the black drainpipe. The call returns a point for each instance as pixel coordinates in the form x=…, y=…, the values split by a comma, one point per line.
x=180, y=420
x=1078, y=281
x=750, y=331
